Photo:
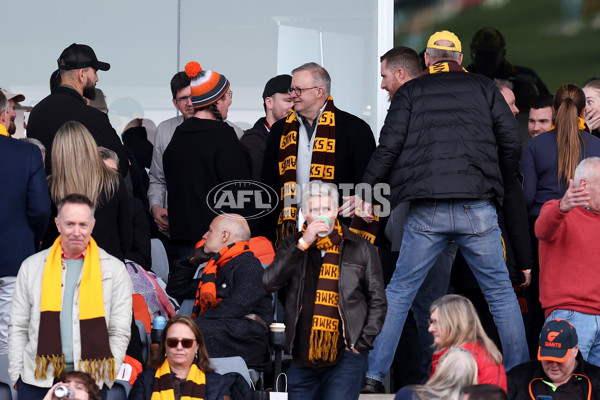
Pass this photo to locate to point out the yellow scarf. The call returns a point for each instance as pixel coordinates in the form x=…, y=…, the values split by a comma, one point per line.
x=581, y=125
x=96, y=357
x=3, y=131
x=194, y=388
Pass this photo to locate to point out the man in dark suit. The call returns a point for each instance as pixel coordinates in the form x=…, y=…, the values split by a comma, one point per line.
x=24, y=209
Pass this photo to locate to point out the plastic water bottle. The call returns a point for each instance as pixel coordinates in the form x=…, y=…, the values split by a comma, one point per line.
x=158, y=325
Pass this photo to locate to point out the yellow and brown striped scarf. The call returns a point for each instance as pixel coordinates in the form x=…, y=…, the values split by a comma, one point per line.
x=194, y=387
x=322, y=164
x=322, y=167
x=325, y=330
x=96, y=356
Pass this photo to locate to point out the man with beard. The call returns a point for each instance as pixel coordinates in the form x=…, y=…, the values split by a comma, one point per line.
x=78, y=66
x=13, y=99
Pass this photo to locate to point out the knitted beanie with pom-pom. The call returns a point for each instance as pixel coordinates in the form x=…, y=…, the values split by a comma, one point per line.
x=207, y=86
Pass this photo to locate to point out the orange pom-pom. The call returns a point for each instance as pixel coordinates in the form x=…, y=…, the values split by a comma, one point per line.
x=192, y=69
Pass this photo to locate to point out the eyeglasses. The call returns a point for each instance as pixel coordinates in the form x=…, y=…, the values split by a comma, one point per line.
x=183, y=99
x=432, y=322
x=230, y=93
x=186, y=343
x=298, y=91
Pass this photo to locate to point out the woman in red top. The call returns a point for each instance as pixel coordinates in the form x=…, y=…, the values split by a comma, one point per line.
x=454, y=322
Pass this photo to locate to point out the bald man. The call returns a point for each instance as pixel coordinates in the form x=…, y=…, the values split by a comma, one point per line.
x=231, y=307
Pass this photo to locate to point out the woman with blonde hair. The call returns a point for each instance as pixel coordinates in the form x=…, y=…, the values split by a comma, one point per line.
x=456, y=370
x=78, y=168
x=592, y=105
x=454, y=323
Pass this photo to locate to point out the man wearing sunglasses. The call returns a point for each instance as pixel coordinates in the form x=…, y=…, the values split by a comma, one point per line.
x=231, y=307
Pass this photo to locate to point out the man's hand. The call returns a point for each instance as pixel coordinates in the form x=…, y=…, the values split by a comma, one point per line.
x=366, y=211
x=313, y=229
x=592, y=118
x=348, y=209
x=574, y=197
x=160, y=214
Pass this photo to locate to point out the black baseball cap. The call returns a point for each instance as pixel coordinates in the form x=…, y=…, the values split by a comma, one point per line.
x=277, y=84
x=80, y=56
x=557, y=340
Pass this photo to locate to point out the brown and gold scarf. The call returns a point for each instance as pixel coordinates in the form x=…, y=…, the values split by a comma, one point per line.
x=206, y=295
x=322, y=167
x=322, y=164
x=194, y=387
x=96, y=356
x=325, y=330
x=447, y=66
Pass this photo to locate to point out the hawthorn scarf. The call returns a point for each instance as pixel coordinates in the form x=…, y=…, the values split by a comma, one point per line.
x=325, y=330
x=96, y=357
x=322, y=164
x=194, y=387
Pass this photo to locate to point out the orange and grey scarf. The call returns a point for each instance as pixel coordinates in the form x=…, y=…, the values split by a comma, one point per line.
x=325, y=330
x=206, y=295
x=96, y=357
x=194, y=387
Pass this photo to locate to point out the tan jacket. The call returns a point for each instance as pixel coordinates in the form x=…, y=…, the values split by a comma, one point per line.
x=24, y=321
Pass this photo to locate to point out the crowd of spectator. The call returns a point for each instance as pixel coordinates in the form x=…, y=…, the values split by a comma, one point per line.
x=480, y=279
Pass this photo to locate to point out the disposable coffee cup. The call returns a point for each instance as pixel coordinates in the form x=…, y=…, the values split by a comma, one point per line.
x=277, y=327
x=327, y=221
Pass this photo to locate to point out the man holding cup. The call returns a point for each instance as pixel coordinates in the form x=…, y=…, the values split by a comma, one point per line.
x=335, y=302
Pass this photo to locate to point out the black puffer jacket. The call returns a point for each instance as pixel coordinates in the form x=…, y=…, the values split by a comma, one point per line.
x=440, y=137
x=525, y=382
x=362, y=300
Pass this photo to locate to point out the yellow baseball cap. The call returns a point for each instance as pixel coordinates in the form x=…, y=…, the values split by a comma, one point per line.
x=444, y=35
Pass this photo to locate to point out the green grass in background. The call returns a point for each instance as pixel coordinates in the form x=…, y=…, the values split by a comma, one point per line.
x=530, y=28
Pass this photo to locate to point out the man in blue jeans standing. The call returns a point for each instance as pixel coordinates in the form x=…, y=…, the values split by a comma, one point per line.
x=448, y=144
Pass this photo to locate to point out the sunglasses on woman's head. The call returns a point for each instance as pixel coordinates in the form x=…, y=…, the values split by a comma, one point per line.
x=186, y=343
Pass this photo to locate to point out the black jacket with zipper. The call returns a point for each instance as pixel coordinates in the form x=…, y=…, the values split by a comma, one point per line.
x=362, y=301
x=528, y=380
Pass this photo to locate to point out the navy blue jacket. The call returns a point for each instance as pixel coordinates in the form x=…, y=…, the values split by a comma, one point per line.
x=24, y=203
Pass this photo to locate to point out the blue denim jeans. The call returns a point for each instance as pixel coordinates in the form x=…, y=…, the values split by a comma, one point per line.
x=588, y=332
x=434, y=286
x=341, y=381
x=431, y=225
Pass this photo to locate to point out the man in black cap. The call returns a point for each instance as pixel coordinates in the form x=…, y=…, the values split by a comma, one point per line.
x=78, y=68
x=277, y=102
x=559, y=372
